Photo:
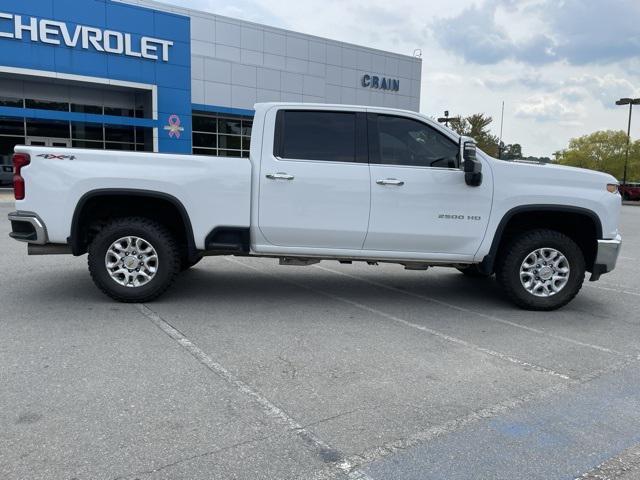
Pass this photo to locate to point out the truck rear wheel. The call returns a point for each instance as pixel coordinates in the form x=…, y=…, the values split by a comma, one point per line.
x=541, y=270
x=133, y=259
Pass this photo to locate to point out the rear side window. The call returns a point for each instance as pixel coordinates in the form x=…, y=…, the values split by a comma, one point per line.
x=316, y=135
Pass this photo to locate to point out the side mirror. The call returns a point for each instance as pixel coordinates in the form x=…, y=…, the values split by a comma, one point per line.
x=472, y=166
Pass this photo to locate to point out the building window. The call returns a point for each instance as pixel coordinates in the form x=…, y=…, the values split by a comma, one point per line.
x=221, y=135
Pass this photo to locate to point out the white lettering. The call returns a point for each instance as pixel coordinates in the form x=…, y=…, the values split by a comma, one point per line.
x=128, y=49
x=148, y=49
x=6, y=16
x=57, y=33
x=32, y=27
x=92, y=36
x=119, y=48
x=68, y=41
x=165, y=49
x=46, y=29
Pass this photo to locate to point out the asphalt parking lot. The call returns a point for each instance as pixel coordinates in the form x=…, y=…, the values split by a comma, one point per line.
x=250, y=370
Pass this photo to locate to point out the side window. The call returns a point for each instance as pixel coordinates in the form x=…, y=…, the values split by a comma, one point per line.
x=403, y=141
x=316, y=135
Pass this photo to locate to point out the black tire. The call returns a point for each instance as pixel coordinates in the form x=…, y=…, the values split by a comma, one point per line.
x=159, y=237
x=185, y=264
x=515, y=253
x=472, y=271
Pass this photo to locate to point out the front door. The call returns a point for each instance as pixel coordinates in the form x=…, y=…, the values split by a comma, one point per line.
x=314, y=180
x=49, y=142
x=419, y=199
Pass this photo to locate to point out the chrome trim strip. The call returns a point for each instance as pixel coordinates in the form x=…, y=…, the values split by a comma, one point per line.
x=33, y=219
x=608, y=251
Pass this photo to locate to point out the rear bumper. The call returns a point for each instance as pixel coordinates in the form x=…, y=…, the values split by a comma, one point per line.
x=28, y=227
x=607, y=257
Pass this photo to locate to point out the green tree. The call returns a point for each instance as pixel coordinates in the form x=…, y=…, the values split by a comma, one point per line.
x=603, y=151
x=512, y=152
x=477, y=127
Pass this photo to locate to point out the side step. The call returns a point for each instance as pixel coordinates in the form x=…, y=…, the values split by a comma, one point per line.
x=49, y=249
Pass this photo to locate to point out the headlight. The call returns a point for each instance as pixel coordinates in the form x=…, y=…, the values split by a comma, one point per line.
x=612, y=187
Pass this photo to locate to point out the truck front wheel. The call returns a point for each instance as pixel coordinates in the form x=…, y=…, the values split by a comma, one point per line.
x=133, y=259
x=541, y=270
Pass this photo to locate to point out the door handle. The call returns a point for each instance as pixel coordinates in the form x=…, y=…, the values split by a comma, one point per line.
x=390, y=181
x=280, y=176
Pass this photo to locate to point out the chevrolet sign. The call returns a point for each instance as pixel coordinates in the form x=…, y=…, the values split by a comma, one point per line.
x=80, y=36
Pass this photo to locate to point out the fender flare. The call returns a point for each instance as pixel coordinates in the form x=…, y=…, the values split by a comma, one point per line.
x=74, y=238
x=488, y=262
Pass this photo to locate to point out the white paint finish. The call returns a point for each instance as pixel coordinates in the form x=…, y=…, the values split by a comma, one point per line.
x=328, y=208
x=325, y=205
x=214, y=191
x=427, y=193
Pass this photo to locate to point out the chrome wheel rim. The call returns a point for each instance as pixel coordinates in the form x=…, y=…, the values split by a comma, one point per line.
x=131, y=261
x=545, y=272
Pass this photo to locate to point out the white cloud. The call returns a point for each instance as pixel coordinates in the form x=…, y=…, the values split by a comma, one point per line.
x=550, y=108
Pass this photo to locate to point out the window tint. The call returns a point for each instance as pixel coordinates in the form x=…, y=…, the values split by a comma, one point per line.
x=329, y=136
x=403, y=141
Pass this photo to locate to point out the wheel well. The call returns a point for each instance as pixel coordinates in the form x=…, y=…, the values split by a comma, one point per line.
x=582, y=227
x=95, y=209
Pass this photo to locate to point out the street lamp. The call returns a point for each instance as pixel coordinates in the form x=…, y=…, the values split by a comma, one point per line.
x=631, y=102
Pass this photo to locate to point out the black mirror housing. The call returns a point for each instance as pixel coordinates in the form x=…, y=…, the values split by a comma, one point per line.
x=472, y=166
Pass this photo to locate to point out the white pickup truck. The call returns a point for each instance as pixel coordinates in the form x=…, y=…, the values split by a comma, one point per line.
x=323, y=182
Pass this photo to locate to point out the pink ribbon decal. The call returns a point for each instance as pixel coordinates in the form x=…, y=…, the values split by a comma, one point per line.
x=174, y=127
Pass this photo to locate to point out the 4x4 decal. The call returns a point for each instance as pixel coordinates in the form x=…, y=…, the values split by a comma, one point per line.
x=51, y=156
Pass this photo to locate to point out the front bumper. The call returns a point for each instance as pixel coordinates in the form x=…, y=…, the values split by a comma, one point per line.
x=607, y=257
x=28, y=227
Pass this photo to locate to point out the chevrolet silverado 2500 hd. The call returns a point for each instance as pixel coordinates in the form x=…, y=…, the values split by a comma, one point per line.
x=323, y=182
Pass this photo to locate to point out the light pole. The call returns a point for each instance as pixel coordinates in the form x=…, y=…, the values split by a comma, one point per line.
x=631, y=102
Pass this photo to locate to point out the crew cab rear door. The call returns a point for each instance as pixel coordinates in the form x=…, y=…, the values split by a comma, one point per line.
x=419, y=199
x=314, y=180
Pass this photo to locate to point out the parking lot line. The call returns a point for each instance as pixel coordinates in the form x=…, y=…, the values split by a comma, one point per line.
x=269, y=408
x=443, y=336
x=474, y=312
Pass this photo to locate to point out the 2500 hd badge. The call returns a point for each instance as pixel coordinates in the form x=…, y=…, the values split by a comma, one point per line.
x=446, y=216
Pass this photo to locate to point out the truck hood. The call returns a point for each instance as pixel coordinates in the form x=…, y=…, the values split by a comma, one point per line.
x=553, y=173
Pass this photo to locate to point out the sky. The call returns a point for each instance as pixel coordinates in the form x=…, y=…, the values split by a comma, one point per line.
x=559, y=65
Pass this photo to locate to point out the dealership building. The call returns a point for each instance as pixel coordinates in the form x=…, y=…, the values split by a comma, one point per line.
x=146, y=76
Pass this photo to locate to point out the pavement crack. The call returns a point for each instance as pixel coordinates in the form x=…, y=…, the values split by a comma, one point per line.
x=193, y=457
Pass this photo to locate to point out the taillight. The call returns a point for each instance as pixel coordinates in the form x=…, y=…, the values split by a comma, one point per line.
x=19, y=160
